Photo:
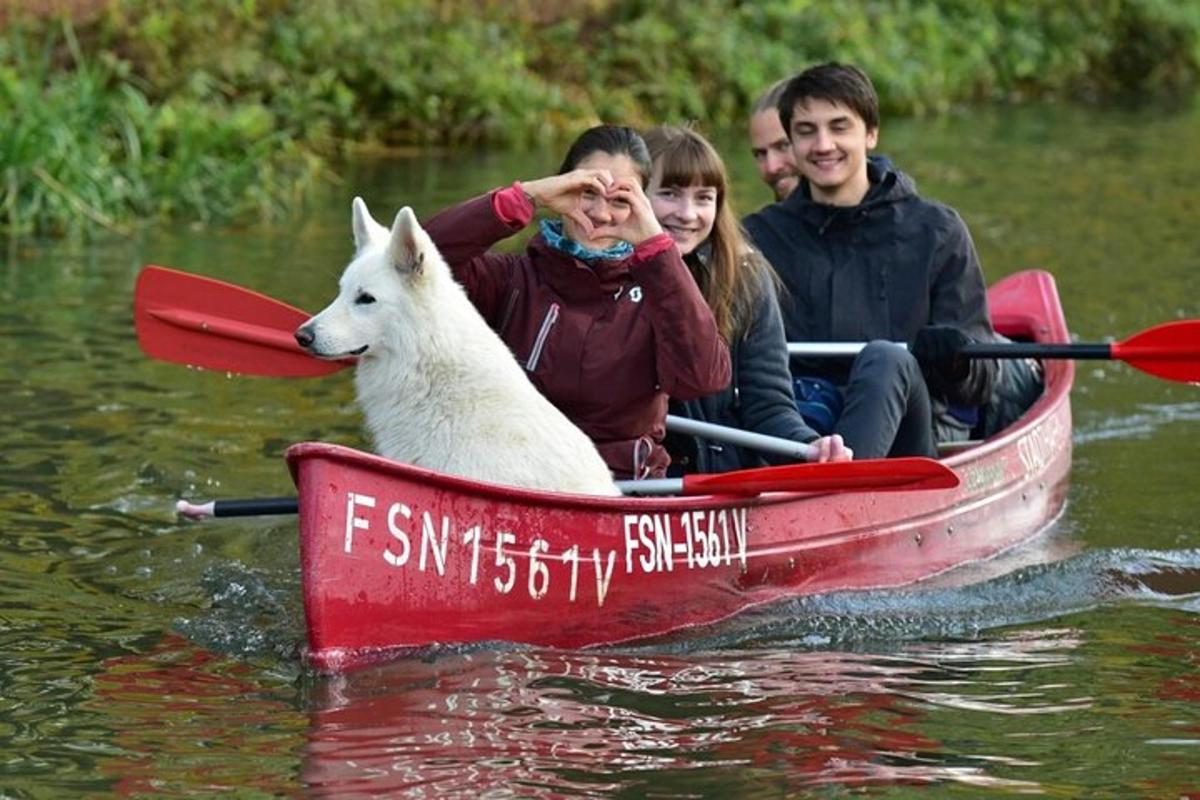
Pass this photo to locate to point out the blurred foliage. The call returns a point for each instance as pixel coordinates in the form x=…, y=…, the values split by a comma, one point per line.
x=216, y=109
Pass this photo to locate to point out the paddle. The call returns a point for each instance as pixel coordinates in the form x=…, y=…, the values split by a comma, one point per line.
x=788, y=448
x=1170, y=350
x=891, y=474
x=204, y=322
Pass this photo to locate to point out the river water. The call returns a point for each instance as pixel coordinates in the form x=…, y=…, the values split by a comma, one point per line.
x=144, y=656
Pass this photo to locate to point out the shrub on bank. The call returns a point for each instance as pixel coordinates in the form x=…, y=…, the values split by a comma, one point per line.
x=216, y=109
x=84, y=146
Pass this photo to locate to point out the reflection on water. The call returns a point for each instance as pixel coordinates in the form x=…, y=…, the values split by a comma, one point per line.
x=738, y=723
x=145, y=656
x=166, y=708
x=755, y=704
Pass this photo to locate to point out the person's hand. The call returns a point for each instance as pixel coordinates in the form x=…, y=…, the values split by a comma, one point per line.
x=639, y=225
x=936, y=348
x=832, y=448
x=563, y=194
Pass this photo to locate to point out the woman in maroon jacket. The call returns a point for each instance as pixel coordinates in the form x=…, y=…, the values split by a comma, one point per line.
x=599, y=308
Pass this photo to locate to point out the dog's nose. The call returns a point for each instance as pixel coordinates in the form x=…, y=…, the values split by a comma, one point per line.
x=304, y=336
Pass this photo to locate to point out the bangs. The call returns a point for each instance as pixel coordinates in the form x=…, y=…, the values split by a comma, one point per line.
x=689, y=162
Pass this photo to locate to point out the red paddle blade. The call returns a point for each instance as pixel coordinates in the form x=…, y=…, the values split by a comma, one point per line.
x=204, y=322
x=870, y=475
x=1170, y=350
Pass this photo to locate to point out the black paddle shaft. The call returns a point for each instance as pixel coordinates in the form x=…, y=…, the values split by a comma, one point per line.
x=256, y=507
x=1100, y=352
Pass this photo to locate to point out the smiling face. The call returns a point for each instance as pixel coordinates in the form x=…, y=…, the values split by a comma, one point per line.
x=686, y=213
x=773, y=153
x=602, y=210
x=830, y=143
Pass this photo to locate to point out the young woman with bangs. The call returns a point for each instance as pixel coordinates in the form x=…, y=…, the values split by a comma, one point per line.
x=598, y=308
x=689, y=193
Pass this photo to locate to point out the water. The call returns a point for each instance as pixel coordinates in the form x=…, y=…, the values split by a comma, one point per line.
x=144, y=656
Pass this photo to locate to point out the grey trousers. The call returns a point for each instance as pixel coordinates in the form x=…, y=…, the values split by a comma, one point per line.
x=887, y=411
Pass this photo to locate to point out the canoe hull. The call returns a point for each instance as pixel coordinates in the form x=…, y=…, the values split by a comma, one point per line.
x=397, y=557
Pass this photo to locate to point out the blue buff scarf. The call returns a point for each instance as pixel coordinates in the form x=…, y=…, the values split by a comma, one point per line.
x=552, y=232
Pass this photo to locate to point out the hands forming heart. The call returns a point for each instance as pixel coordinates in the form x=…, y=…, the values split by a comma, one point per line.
x=601, y=207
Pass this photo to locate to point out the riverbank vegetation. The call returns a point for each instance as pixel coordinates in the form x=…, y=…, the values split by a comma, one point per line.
x=217, y=110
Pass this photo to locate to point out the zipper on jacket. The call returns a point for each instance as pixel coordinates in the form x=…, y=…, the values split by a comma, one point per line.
x=543, y=334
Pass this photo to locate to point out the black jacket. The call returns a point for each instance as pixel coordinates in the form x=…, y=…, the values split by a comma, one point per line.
x=880, y=270
x=759, y=398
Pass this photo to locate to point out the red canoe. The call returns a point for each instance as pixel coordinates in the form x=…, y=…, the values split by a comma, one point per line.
x=397, y=557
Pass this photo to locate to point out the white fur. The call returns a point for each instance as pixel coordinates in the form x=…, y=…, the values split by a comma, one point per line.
x=437, y=386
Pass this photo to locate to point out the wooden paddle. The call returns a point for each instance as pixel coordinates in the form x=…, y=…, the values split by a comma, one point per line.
x=1170, y=350
x=892, y=474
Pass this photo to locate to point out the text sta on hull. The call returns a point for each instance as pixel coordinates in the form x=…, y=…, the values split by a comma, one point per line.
x=395, y=557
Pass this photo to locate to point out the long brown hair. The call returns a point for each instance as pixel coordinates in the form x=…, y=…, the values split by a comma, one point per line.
x=734, y=273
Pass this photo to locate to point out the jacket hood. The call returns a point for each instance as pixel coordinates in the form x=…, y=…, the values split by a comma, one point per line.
x=888, y=185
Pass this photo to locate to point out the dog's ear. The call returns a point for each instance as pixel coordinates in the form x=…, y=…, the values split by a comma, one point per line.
x=409, y=242
x=366, y=229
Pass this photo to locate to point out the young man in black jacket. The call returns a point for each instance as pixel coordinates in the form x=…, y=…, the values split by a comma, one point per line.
x=864, y=258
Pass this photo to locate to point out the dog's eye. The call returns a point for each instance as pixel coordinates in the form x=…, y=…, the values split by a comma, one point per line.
x=364, y=299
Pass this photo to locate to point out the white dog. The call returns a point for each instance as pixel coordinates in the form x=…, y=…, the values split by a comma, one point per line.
x=437, y=386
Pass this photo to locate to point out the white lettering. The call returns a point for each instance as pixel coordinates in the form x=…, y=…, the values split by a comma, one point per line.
x=472, y=537
x=723, y=519
x=1039, y=446
x=539, y=575
x=645, y=529
x=505, y=586
x=686, y=521
x=739, y=531
x=572, y=554
x=399, y=534
x=662, y=530
x=701, y=539
x=602, y=582
x=429, y=543
x=352, y=522
x=708, y=538
x=714, y=540
x=630, y=542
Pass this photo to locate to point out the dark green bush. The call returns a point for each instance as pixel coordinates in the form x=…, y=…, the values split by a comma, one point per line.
x=216, y=109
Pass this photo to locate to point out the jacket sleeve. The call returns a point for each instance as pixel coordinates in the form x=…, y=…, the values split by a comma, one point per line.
x=463, y=234
x=691, y=358
x=959, y=298
x=765, y=397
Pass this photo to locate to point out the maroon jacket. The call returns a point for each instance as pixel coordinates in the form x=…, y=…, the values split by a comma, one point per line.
x=606, y=344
